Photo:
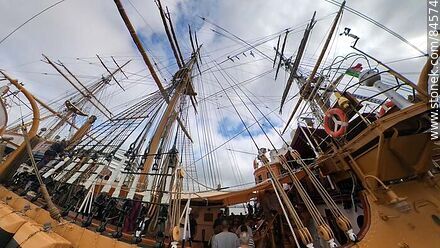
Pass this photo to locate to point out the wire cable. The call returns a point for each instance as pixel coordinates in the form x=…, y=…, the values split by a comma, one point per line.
x=30, y=19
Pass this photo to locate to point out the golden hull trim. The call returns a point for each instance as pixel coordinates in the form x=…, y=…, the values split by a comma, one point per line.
x=32, y=227
x=386, y=226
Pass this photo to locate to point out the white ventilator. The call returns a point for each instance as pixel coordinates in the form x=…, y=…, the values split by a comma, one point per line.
x=372, y=78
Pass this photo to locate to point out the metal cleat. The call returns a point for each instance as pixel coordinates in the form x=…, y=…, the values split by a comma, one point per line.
x=351, y=235
x=332, y=243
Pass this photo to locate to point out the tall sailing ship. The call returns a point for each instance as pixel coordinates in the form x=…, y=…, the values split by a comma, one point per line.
x=358, y=169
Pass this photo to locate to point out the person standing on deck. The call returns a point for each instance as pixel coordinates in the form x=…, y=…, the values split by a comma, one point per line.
x=218, y=223
x=244, y=240
x=225, y=239
x=245, y=228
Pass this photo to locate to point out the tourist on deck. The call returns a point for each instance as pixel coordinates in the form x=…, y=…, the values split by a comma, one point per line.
x=225, y=239
x=245, y=228
x=250, y=209
x=218, y=223
x=245, y=241
x=235, y=224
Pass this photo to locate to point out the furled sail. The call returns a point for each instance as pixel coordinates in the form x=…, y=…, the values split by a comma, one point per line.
x=3, y=112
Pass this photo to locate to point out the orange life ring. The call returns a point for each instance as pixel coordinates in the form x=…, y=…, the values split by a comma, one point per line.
x=385, y=108
x=339, y=120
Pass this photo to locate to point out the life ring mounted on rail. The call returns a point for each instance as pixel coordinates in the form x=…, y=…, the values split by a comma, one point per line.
x=335, y=122
x=385, y=108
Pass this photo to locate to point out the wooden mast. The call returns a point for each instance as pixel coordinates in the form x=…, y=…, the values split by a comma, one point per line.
x=169, y=35
x=295, y=65
x=141, y=49
x=168, y=116
x=170, y=113
x=318, y=63
x=86, y=96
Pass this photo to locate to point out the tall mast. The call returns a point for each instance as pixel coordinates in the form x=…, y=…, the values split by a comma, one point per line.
x=183, y=83
x=86, y=95
x=295, y=65
x=169, y=116
x=318, y=63
x=141, y=49
x=173, y=42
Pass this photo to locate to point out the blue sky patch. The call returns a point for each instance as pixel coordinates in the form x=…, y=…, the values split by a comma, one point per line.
x=228, y=128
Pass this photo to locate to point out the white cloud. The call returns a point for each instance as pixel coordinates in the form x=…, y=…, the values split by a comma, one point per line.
x=82, y=28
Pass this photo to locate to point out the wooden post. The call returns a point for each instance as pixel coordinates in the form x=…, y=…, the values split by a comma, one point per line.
x=318, y=63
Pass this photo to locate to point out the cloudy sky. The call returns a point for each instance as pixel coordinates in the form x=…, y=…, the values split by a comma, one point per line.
x=76, y=30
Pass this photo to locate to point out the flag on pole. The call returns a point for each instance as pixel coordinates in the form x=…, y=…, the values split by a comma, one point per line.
x=355, y=70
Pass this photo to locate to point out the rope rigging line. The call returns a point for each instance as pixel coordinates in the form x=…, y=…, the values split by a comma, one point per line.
x=245, y=42
x=245, y=105
x=30, y=19
x=263, y=40
x=126, y=122
x=305, y=234
x=256, y=107
x=203, y=143
x=324, y=229
x=378, y=24
x=238, y=113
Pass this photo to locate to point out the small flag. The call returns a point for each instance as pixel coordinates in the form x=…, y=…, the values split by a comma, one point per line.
x=355, y=70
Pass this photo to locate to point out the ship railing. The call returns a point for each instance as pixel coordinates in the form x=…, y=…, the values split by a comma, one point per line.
x=367, y=106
